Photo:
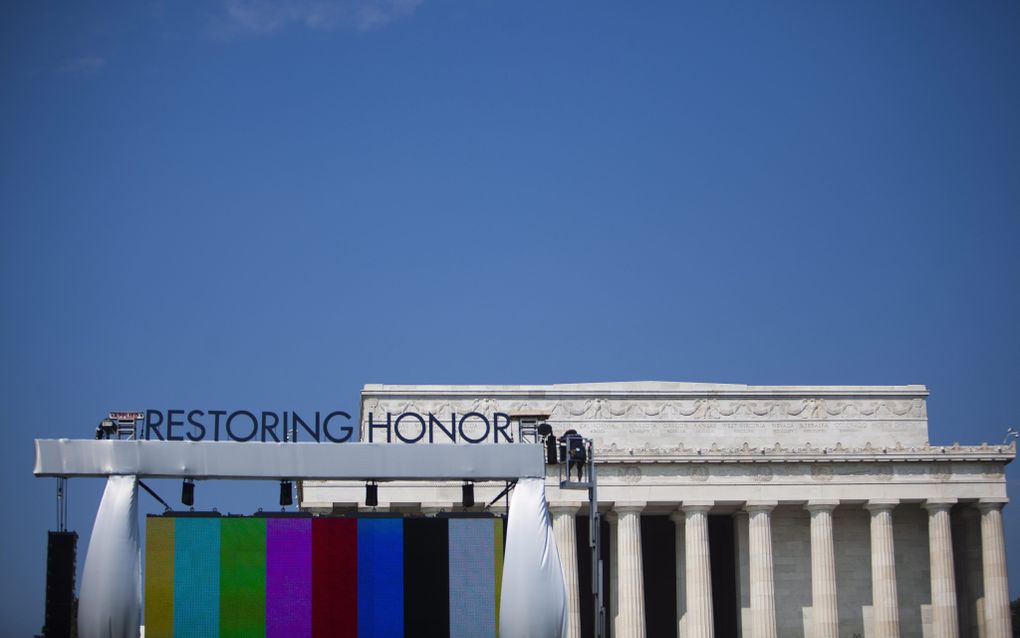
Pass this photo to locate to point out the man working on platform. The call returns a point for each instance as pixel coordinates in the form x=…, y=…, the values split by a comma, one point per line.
x=573, y=445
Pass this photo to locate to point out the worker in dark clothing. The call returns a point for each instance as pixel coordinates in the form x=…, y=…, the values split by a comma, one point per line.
x=573, y=445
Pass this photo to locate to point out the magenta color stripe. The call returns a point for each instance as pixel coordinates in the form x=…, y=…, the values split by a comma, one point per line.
x=289, y=578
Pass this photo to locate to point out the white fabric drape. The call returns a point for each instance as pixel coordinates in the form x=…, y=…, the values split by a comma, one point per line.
x=533, y=599
x=110, y=602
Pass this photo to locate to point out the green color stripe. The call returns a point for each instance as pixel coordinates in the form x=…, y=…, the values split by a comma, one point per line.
x=497, y=554
x=242, y=577
x=159, y=577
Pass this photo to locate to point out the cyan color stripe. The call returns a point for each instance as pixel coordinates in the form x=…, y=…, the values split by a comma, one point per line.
x=380, y=577
x=472, y=578
x=197, y=578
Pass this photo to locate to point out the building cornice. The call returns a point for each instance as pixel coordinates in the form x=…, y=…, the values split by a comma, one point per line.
x=809, y=454
x=639, y=390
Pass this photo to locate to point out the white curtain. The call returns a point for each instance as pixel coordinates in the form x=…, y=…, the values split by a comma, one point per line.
x=533, y=600
x=110, y=602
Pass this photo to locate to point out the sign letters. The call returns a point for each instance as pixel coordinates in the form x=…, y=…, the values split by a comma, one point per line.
x=243, y=426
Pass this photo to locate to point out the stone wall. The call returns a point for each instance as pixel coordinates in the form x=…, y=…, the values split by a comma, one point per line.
x=791, y=559
x=913, y=568
x=852, y=544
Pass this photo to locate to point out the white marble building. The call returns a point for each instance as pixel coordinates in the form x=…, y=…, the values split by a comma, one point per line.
x=756, y=511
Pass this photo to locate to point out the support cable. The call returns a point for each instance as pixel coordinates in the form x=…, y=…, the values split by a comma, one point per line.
x=61, y=503
x=153, y=494
x=509, y=486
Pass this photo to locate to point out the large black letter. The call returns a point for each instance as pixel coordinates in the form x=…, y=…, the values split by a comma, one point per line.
x=266, y=427
x=170, y=423
x=151, y=425
x=467, y=438
x=372, y=426
x=452, y=432
x=216, y=414
x=198, y=426
x=295, y=420
x=496, y=430
x=347, y=430
x=396, y=427
x=254, y=426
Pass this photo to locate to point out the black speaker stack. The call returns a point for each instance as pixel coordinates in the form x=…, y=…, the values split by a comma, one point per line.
x=61, y=604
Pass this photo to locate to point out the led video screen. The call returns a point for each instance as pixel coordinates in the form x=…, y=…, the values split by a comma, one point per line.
x=303, y=577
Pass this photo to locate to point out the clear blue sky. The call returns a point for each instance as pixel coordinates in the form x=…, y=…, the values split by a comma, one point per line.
x=250, y=204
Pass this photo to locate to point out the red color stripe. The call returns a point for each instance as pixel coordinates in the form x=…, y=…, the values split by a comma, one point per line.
x=334, y=578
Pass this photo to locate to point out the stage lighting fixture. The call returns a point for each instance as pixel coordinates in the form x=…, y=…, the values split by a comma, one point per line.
x=188, y=492
x=371, y=494
x=286, y=493
x=467, y=494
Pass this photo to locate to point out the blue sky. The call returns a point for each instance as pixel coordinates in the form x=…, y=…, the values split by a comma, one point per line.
x=256, y=205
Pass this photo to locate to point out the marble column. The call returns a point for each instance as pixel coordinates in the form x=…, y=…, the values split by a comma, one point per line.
x=565, y=531
x=613, y=603
x=945, y=620
x=763, y=590
x=824, y=603
x=700, y=623
x=681, y=586
x=631, y=592
x=993, y=564
x=885, y=603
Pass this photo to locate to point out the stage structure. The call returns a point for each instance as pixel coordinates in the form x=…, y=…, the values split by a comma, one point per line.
x=533, y=596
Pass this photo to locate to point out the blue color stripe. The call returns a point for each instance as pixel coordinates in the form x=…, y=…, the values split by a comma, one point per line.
x=472, y=578
x=380, y=577
x=197, y=578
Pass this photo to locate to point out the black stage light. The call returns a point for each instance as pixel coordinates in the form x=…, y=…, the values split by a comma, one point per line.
x=371, y=494
x=188, y=492
x=467, y=494
x=286, y=496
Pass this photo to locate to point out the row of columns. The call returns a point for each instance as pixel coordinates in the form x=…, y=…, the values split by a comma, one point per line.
x=694, y=590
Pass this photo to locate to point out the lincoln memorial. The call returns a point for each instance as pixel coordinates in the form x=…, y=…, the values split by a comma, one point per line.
x=735, y=510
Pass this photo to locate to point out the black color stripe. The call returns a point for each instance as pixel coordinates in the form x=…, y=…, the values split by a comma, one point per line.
x=426, y=578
